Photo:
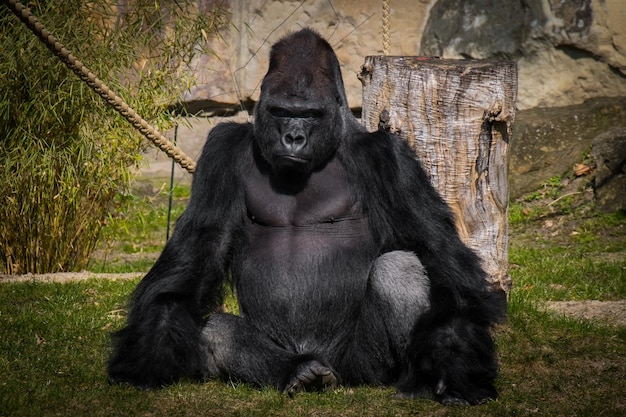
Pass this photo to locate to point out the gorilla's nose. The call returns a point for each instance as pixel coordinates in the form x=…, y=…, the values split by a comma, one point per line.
x=293, y=141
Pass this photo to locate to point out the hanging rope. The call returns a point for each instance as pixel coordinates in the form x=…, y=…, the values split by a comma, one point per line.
x=24, y=14
x=386, y=30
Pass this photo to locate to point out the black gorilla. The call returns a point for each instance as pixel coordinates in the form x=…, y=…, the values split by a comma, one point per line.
x=345, y=260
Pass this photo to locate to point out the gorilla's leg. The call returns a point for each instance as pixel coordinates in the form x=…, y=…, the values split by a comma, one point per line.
x=238, y=350
x=398, y=294
x=430, y=354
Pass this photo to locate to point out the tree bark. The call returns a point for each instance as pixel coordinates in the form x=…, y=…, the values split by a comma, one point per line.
x=457, y=116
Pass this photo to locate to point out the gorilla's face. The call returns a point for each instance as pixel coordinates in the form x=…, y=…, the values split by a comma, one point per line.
x=296, y=124
x=298, y=119
x=296, y=135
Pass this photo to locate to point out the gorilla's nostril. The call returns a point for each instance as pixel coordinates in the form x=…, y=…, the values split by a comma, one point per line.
x=293, y=140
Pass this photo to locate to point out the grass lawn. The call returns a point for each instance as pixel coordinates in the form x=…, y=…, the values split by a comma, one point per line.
x=54, y=338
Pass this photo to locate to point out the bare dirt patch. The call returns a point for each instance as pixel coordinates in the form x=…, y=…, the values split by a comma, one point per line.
x=66, y=277
x=602, y=312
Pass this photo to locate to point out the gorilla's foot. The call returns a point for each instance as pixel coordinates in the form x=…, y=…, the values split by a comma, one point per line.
x=311, y=376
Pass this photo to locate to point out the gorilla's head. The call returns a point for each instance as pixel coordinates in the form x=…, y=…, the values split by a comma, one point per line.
x=302, y=114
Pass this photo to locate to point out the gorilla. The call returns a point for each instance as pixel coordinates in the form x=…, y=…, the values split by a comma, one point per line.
x=345, y=261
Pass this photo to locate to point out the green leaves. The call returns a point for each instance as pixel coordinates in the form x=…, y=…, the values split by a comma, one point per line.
x=64, y=153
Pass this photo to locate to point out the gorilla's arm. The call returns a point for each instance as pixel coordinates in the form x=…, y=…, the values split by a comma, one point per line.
x=451, y=348
x=407, y=213
x=161, y=341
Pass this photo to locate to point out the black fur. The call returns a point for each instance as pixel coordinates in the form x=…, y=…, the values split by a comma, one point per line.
x=346, y=261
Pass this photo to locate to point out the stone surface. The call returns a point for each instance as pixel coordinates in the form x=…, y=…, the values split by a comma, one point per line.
x=233, y=75
x=609, y=152
x=547, y=142
x=566, y=51
x=190, y=137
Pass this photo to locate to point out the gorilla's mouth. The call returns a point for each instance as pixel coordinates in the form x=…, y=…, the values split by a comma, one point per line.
x=291, y=165
x=292, y=159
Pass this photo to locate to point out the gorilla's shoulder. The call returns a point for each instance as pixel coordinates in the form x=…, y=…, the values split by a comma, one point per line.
x=232, y=131
x=228, y=137
x=375, y=145
x=228, y=144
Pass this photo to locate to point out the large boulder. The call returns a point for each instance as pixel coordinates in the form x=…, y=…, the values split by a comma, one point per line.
x=609, y=152
x=567, y=51
x=547, y=142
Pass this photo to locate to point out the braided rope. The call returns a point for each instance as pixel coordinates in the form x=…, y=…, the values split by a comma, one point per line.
x=386, y=30
x=24, y=14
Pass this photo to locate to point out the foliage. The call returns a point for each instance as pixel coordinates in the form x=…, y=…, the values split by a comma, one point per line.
x=65, y=154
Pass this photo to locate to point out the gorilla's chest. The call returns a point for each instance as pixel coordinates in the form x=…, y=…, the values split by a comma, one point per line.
x=326, y=198
x=308, y=250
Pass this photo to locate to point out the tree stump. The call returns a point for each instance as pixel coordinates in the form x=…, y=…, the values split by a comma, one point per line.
x=457, y=116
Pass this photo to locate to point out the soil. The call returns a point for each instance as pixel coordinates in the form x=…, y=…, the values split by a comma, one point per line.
x=613, y=312
x=66, y=277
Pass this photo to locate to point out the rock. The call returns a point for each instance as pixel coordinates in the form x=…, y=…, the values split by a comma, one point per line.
x=609, y=152
x=547, y=142
x=566, y=51
x=480, y=28
x=190, y=137
x=233, y=74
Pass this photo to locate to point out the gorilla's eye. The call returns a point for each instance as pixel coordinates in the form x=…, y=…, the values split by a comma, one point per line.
x=287, y=113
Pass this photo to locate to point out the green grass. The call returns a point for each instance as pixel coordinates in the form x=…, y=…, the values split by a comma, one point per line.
x=55, y=343
x=564, y=274
x=136, y=232
x=54, y=339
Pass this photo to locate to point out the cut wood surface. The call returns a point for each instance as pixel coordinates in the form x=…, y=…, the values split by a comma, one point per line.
x=457, y=116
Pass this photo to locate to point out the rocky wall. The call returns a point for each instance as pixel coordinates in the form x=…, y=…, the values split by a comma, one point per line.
x=571, y=57
x=567, y=51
